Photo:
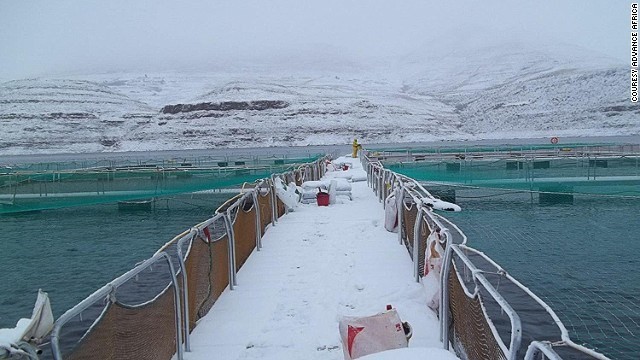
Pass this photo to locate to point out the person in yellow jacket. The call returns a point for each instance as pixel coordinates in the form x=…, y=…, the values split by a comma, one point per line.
x=356, y=147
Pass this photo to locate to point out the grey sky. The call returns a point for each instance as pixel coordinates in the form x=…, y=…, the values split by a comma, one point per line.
x=66, y=36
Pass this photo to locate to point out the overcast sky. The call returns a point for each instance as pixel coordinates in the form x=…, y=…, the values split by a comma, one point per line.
x=85, y=36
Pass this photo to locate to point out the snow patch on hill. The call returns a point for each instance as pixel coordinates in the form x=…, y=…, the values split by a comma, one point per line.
x=507, y=90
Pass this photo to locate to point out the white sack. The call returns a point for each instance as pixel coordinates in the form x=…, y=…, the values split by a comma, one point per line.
x=371, y=334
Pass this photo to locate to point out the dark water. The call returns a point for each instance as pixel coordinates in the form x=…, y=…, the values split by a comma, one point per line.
x=72, y=252
x=581, y=258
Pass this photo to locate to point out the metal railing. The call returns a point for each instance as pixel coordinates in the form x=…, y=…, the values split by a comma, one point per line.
x=385, y=182
x=180, y=278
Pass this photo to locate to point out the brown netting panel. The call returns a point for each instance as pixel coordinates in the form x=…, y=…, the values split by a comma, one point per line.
x=244, y=229
x=408, y=221
x=264, y=202
x=146, y=332
x=281, y=208
x=220, y=268
x=471, y=331
x=424, y=234
x=387, y=189
x=208, y=275
x=289, y=178
x=198, y=264
x=298, y=177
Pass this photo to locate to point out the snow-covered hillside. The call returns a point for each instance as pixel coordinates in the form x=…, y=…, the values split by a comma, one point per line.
x=494, y=91
x=512, y=90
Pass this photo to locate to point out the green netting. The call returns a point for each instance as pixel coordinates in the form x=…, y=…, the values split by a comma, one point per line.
x=563, y=220
x=611, y=175
x=128, y=162
x=484, y=149
x=22, y=190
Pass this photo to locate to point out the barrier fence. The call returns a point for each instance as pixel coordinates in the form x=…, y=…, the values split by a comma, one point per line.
x=183, y=280
x=149, y=312
x=39, y=186
x=476, y=316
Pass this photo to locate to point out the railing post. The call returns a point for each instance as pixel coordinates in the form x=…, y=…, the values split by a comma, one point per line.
x=545, y=348
x=232, y=251
x=274, y=202
x=384, y=187
x=177, y=309
x=378, y=177
x=400, y=207
x=417, y=227
x=444, y=296
x=256, y=207
x=185, y=288
x=380, y=184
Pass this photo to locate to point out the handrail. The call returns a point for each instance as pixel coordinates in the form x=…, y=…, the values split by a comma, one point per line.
x=108, y=290
x=401, y=186
x=541, y=347
x=185, y=285
x=181, y=301
x=516, y=326
x=564, y=333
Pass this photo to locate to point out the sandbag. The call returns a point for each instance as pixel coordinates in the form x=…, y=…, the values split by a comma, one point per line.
x=371, y=334
x=314, y=185
x=433, y=264
x=333, y=187
x=391, y=213
x=342, y=184
x=287, y=194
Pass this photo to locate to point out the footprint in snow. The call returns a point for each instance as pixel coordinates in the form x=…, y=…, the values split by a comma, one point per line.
x=329, y=348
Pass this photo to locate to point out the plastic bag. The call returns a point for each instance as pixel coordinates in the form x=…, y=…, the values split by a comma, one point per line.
x=371, y=334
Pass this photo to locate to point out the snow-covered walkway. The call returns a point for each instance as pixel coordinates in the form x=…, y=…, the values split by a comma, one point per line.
x=316, y=265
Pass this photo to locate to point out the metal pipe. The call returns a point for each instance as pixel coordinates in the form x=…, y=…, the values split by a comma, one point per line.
x=258, y=220
x=185, y=287
x=400, y=207
x=444, y=298
x=177, y=309
x=385, y=174
x=417, y=227
x=274, y=202
x=543, y=347
x=230, y=250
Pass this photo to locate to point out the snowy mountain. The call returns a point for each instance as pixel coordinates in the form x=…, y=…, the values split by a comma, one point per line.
x=513, y=90
x=502, y=91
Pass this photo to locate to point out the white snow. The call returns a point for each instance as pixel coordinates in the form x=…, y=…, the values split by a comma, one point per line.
x=412, y=354
x=316, y=265
x=14, y=335
x=504, y=91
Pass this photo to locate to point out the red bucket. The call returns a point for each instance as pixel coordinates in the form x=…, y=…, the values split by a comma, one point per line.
x=322, y=198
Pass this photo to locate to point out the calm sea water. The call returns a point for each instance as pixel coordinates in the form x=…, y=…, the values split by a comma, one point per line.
x=72, y=252
x=581, y=258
